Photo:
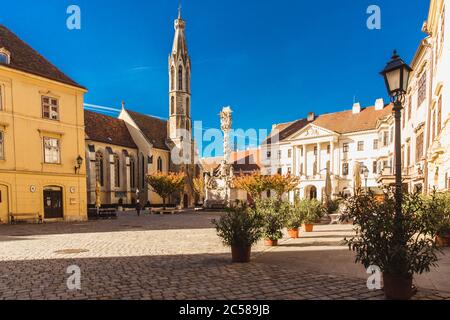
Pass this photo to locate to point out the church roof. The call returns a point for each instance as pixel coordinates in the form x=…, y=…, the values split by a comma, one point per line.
x=154, y=129
x=26, y=59
x=106, y=129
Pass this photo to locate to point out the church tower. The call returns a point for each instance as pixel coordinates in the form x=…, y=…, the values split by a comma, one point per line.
x=180, y=123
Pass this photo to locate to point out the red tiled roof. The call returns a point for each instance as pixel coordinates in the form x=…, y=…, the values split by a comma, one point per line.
x=347, y=122
x=154, y=129
x=106, y=129
x=25, y=58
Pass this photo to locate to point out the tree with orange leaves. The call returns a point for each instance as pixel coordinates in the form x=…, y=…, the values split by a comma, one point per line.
x=282, y=184
x=166, y=184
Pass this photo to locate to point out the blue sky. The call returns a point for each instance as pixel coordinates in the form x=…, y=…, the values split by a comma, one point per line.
x=272, y=61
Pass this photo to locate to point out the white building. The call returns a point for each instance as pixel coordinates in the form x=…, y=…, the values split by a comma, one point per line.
x=335, y=141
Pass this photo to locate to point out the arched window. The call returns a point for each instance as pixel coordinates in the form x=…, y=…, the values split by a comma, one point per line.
x=172, y=106
x=142, y=171
x=172, y=78
x=99, y=169
x=187, y=80
x=132, y=173
x=188, y=107
x=116, y=171
x=180, y=78
x=160, y=164
x=4, y=57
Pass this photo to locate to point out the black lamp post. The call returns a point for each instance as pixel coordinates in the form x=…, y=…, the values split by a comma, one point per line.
x=396, y=75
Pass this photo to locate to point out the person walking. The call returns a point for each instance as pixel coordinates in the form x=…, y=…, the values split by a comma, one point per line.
x=138, y=208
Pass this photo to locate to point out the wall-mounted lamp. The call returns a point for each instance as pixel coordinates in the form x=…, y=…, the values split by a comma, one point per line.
x=79, y=164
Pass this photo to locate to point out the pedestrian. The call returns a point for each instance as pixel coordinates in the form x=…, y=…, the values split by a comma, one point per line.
x=138, y=208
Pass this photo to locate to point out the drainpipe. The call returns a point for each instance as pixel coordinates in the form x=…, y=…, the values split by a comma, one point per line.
x=430, y=101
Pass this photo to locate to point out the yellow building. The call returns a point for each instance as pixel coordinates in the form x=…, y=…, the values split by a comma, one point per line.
x=42, y=139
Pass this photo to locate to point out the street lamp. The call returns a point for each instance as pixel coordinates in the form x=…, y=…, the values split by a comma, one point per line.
x=396, y=75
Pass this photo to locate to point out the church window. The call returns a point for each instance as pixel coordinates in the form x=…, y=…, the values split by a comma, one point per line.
x=160, y=165
x=188, y=107
x=172, y=106
x=172, y=78
x=180, y=78
x=99, y=169
x=132, y=173
x=116, y=171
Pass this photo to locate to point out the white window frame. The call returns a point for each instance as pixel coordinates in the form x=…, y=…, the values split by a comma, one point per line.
x=50, y=106
x=7, y=54
x=51, y=154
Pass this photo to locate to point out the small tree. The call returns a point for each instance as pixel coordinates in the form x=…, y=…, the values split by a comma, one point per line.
x=254, y=184
x=282, y=184
x=166, y=184
x=199, y=187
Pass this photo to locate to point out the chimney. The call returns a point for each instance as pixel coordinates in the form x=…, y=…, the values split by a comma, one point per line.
x=379, y=104
x=356, y=108
x=311, y=116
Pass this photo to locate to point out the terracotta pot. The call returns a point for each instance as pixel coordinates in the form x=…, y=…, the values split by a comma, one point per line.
x=309, y=227
x=398, y=287
x=241, y=254
x=443, y=241
x=271, y=243
x=293, y=233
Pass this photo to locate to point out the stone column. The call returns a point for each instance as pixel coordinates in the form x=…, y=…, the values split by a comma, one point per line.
x=319, y=150
x=305, y=163
x=332, y=157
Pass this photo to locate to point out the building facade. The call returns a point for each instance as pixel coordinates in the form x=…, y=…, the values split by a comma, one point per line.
x=42, y=167
x=335, y=144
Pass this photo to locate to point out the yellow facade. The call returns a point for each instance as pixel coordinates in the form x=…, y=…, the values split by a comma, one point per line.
x=25, y=177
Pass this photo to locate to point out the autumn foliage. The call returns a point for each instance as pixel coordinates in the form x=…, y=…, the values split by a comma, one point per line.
x=166, y=184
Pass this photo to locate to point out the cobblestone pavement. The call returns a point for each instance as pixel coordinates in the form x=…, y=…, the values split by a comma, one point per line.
x=157, y=257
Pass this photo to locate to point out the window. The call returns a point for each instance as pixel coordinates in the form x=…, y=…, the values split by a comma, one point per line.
x=408, y=156
x=279, y=154
x=385, y=138
x=172, y=106
x=375, y=167
x=150, y=160
x=160, y=164
x=289, y=170
x=360, y=145
x=345, y=147
x=269, y=154
x=315, y=151
x=180, y=78
x=422, y=93
x=280, y=171
x=188, y=107
x=345, y=169
x=116, y=171
x=439, y=116
x=187, y=80
x=51, y=151
x=2, y=145
x=419, y=147
x=328, y=149
x=4, y=58
x=315, y=168
x=172, y=78
x=99, y=171
x=50, y=108
x=290, y=153
x=375, y=144
x=132, y=173
x=433, y=126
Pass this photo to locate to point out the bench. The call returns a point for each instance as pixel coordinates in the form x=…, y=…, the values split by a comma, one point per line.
x=102, y=214
x=335, y=218
x=15, y=217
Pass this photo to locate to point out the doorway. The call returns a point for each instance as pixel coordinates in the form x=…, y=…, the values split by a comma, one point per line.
x=4, y=205
x=53, y=203
x=185, y=201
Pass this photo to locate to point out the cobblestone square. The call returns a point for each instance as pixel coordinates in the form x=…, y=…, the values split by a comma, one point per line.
x=180, y=257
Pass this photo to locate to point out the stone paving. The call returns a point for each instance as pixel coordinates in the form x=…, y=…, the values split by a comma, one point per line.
x=164, y=257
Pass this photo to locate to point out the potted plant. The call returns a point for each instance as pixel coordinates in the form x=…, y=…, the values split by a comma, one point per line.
x=239, y=229
x=272, y=213
x=400, y=245
x=294, y=220
x=440, y=206
x=311, y=211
